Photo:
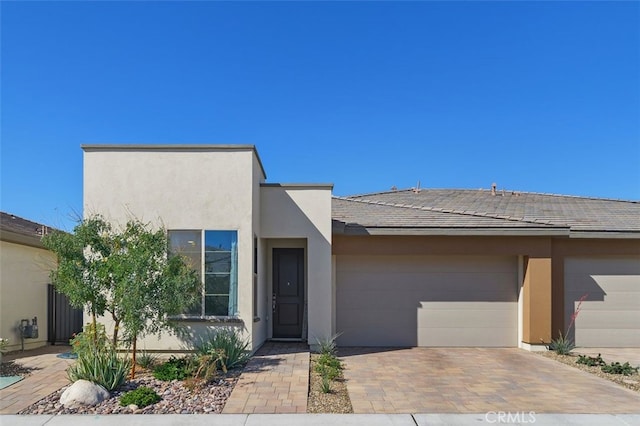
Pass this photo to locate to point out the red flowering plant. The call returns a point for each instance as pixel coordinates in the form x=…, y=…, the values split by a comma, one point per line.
x=564, y=344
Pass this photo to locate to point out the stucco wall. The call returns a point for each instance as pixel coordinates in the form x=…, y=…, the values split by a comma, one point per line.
x=24, y=275
x=205, y=187
x=304, y=212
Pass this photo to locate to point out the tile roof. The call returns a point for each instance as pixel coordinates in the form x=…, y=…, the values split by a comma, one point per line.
x=439, y=209
x=18, y=225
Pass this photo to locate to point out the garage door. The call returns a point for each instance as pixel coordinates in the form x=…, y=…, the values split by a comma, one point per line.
x=610, y=316
x=426, y=300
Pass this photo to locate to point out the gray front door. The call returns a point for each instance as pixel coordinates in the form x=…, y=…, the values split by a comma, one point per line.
x=288, y=292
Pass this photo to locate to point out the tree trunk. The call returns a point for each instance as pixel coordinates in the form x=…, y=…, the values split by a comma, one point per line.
x=116, y=328
x=133, y=363
x=95, y=327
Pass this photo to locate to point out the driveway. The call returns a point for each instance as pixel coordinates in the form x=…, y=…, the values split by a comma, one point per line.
x=475, y=380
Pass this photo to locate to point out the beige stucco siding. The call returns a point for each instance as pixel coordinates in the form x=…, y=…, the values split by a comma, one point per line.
x=304, y=212
x=180, y=188
x=24, y=275
x=426, y=300
x=610, y=315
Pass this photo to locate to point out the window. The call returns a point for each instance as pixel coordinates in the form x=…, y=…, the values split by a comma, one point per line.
x=217, y=266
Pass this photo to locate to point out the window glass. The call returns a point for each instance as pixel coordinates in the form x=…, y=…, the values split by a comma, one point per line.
x=218, y=267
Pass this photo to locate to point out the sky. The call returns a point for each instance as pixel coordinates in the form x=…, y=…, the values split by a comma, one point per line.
x=534, y=96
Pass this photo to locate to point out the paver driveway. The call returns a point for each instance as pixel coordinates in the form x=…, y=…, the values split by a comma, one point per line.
x=475, y=380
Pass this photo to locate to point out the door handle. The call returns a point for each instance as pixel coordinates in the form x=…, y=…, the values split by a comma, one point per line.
x=273, y=302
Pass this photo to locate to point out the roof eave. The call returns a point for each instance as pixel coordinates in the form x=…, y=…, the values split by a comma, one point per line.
x=631, y=235
x=20, y=238
x=352, y=229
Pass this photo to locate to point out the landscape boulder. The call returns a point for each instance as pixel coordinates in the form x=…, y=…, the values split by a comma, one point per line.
x=83, y=392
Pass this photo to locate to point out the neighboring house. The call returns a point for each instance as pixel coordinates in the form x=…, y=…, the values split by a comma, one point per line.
x=398, y=268
x=24, y=278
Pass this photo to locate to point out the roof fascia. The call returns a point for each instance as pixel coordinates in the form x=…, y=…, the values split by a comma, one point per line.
x=175, y=147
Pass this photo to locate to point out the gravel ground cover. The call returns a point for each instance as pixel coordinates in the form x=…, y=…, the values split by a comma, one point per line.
x=630, y=382
x=336, y=401
x=176, y=398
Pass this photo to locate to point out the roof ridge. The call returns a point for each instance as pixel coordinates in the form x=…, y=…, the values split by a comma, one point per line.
x=512, y=191
x=454, y=211
x=582, y=197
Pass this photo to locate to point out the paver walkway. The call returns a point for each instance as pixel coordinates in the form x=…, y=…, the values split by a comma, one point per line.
x=475, y=380
x=276, y=380
x=48, y=376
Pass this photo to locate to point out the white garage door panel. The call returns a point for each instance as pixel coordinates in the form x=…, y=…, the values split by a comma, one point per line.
x=606, y=320
x=491, y=283
x=433, y=317
x=426, y=300
x=627, y=338
x=610, y=316
x=616, y=301
x=466, y=337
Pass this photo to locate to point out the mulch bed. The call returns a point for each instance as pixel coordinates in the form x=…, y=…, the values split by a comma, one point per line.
x=336, y=401
x=630, y=382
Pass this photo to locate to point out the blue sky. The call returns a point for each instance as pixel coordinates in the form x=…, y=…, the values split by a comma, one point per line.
x=541, y=97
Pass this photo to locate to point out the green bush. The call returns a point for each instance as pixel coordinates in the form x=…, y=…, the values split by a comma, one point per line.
x=105, y=368
x=591, y=361
x=141, y=397
x=325, y=386
x=173, y=369
x=227, y=346
x=563, y=345
x=328, y=372
x=327, y=346
x=92, y=339
x=330, y=361
x=147, y=360
x=617, y=368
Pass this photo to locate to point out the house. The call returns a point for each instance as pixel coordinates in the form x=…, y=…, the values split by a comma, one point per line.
x=419, y=267
x=25, y=289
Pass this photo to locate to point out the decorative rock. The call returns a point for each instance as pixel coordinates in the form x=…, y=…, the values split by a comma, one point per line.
x=83, y=392
x=133, y=407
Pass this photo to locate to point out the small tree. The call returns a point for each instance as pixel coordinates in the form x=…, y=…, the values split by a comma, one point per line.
x=128, y=273
x=149, y=285
x=79, y=274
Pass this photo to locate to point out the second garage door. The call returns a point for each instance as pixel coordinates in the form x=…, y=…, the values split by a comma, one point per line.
x=610, y=314
x=426, y=300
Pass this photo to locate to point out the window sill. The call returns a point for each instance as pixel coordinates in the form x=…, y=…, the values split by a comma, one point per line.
x=212, y=319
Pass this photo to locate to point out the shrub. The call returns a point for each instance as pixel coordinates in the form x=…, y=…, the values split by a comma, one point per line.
x=325, y=386
x=330, y=361
x=105, y=368
x=328, y=372
x=141, y=397
x=327, y=346
x=617, y=368
x=208, y=365
x=147, y=360
x=227, y=346
x=591, y=361
x=92, y=339
x=173, y=369
x=563, y=345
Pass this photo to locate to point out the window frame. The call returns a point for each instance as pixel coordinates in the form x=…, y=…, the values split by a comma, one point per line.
x=202, y=273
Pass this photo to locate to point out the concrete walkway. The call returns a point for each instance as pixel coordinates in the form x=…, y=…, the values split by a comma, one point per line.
x=325, y=419
x=48, y=375
x=276, y=380
x=475, y=380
